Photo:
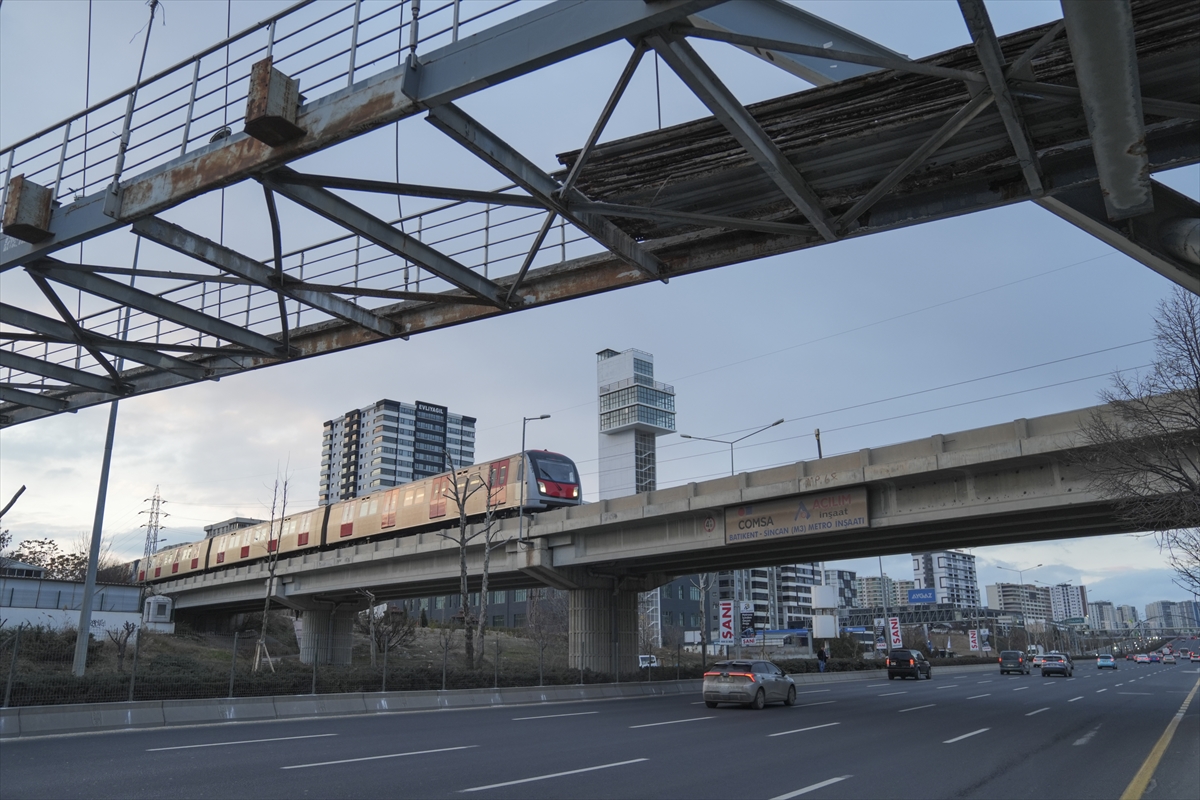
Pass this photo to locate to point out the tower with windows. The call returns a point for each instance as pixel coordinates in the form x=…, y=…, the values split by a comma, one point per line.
x=635, y=409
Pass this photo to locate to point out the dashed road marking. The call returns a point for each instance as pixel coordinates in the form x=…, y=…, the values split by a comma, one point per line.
x=966, y=736
x=1098, y=691
x=915, y=708
x=669, y=722
x=1020, y=688
x=822, y=703
x=1073, y=699
x=802, y=730
x=244, y=741
x=552, y=775
x=812, y=788
x=576, y=714
x=890, y=694
x=976, y=697
x=377, y=758
x=1040, y=710
x=1082, y=740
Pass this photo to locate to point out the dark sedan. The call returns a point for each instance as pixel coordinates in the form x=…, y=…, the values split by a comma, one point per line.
x=908, y=664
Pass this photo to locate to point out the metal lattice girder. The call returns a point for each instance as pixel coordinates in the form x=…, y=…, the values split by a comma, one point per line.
x=352, y=218
x=979, y=24
x=705, y=84
x=779, y=20
x=62, y=332
x=76, y=377
x=553, y=33
x=158, y=306
x=190, y=244
x=413, y=190
x=458, y=125
x=1100, y=33
x=1142, y=237
x=33, y=400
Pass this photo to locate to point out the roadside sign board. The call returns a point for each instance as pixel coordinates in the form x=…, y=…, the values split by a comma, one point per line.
x=974, y=636
x=894, y=631
x=746, y=618
x=845, y=509
x=725, y=631
x=916, y=596
x=880, y=642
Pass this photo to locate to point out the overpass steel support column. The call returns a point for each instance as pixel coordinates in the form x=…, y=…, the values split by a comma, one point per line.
x=325, y=636
x=603, y=632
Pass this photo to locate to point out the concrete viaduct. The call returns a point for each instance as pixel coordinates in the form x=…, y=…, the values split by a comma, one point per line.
x=1013, y=482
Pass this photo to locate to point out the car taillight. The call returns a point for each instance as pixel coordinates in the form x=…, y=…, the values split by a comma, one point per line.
x=911, y=662
x=999, y=660
x=1020, y=660
x=575, y=491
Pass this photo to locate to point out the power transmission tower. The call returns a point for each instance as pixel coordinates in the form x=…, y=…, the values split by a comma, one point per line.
x=153, y=525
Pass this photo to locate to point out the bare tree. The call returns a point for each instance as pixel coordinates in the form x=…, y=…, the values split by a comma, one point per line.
x=545, y=621
x=459, y=488
x=387, y=629
x=120, y=637
x=279, y=495
x=1144, y=455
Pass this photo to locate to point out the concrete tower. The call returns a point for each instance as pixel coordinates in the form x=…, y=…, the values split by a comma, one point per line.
x=635, y=409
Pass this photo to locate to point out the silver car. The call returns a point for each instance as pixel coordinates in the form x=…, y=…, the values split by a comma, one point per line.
x=749, y=682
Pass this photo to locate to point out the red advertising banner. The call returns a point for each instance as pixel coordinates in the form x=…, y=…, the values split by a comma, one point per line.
x=725, y=632
x=974, y=635
x=894, y=631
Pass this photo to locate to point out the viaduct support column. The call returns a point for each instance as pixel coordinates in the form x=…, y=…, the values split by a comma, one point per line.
x=603, y=633
x=325, y=635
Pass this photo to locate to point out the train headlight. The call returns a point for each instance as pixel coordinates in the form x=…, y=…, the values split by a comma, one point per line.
x=541, y=487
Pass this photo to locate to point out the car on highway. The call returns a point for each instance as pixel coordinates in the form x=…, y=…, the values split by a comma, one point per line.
x=1141, y=658
x=1154, y=658
x=908, y=664
x=1106, y=661
x=1058, y=664
x=1013, y=661
x=1196, y=658
x=1038, y=660
x=1168, y=659
x=749, y=682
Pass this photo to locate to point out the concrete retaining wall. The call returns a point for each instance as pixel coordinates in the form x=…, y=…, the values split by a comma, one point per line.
x=48, y=720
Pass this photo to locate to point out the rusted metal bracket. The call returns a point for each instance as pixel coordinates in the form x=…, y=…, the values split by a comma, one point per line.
x=271, y=105
x=27, y=210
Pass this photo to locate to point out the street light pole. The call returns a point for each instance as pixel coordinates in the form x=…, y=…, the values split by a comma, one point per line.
x=735, y=441
x=524, y=479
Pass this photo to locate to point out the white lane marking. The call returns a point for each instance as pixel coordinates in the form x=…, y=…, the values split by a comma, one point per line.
x=1073, y=699
x=1040, y=710
x=983, y=681
x=555, y=716
x=377, y=758
x=876, y=685
x=552, y=775
x=1098, y=691
x=244, y=741
x=1143, y=694
x=915, y=708
x=802, y=730
x=1020, y=689
x=890, y=694
x=814, y=691
x=1082, y=740
x=976, y=697
x=812, y=788
x=1120, y=684
x=822, y=703
x=965, y=736
x=669, y=722
x=950, y=686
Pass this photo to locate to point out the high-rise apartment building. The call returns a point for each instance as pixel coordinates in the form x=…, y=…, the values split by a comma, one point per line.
x=1102, y=616
x=1176, y=616
x=1127, y=616
x=635, y=409
x=900, y=592
x=844, y=581
x=1032, y=602
x=390, y=443
x=951, y=574
x=873, y=590
x=1068, y=602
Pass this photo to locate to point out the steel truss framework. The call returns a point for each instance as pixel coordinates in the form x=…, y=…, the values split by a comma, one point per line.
x=1074, y=116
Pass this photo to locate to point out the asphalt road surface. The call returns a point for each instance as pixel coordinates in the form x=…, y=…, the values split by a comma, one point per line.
x=966, y=734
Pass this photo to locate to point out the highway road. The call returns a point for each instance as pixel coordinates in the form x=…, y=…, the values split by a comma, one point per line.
x=959, y=735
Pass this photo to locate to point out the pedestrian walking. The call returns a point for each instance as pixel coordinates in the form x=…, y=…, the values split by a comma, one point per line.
x=821, y=658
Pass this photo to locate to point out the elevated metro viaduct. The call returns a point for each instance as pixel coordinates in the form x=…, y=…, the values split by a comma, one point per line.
x=1018, y=481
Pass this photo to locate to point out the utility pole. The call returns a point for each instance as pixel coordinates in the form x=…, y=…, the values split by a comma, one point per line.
x=153, y=525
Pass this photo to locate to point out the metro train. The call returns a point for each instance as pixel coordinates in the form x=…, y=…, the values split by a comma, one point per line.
x=551, y=481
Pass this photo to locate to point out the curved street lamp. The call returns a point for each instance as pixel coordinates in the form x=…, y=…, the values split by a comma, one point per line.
x=735, y=441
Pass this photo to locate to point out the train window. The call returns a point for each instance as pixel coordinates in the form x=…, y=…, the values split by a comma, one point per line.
x=302, y=539
x=374, y=506
x=221, y=557
x=408, y=498
x=553, y=467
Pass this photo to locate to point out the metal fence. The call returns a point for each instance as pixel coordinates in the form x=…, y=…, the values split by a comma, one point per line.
x=37, y=666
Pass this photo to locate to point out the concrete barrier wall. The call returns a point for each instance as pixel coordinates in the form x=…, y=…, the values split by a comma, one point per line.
x=48, y=720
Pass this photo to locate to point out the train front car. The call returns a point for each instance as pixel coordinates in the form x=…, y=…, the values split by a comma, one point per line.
x=552, y=481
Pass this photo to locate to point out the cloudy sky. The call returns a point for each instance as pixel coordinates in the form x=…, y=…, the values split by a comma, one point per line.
x=968, y=322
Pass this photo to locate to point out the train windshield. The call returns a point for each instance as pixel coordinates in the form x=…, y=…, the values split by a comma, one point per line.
x=553, y=467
